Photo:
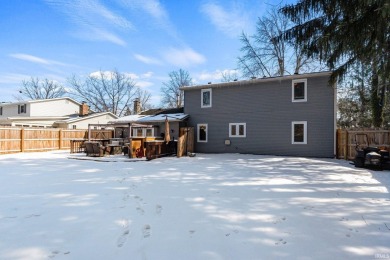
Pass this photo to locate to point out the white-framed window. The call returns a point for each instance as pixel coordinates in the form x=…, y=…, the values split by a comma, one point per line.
x=74, y=126
x=202, y=133
x=299, y=132
x=149, y=132
x=22, y=109
x=299, y=90
x=237, y=130
x=138, y=132
x=206, y=98
x=143, y=132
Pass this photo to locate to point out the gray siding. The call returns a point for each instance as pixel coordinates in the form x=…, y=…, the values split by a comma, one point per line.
x=268, y=112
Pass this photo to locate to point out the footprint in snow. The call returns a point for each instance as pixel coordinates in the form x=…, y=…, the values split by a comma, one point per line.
x=33, y=216
x=279, y=220
x=351, y=230
x=122, y=239
x=158, y=209
x=146, y=231
x=54, y=253
x=281, y=242
x=126, y=231
x=121, y=180
x=140, y=210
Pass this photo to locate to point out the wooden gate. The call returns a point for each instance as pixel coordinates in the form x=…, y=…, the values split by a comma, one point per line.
x=186, y=141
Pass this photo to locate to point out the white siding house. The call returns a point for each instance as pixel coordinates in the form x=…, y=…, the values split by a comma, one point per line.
x=82, y=122
x=54, y=107
x=57, y=112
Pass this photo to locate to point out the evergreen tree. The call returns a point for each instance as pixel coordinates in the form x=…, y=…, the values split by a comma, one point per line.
x=343, y=32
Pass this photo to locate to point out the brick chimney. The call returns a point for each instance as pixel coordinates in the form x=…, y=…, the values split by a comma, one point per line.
x=137, y=106
x=84, y=109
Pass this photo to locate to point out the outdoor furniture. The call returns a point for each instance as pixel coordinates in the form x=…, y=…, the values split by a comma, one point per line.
x=95, y=149
x=77, y=146
x=115, y=149
x=156, y=149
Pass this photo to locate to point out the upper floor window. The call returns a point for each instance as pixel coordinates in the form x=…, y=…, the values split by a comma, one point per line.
x=22, y=109
x=299, y=132
x=202, y=133
x=206, y=98
x=74, y=126
x=299, y=90
x=237, y=130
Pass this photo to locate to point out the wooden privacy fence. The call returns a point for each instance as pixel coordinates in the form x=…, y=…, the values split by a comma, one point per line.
x=13, y=140
x=347, y=140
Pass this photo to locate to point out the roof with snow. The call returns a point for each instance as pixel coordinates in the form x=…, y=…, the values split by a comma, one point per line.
x=141, y=119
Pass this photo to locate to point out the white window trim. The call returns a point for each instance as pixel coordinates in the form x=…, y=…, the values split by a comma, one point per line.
x=198, y=135
x=134, y=132
x=304, y=123
x=201, y=98
x=292, y=90
x=237, y=129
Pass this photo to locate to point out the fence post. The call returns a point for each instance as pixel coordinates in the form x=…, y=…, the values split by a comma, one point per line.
x=60, y=140
x=338, y=133
x=346, y=151
x=22, y=140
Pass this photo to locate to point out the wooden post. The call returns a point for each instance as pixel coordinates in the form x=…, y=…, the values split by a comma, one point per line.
x=338, y=132
x=22, y=140
x=130, y=147
x=60, y=140
x=346, y=151
x=89, y=133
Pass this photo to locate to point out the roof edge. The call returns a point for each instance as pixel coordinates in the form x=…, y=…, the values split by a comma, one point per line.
x=258, y=80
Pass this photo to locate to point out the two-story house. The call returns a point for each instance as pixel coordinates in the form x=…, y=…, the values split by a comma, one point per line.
x=56, y=112
x=292, y=115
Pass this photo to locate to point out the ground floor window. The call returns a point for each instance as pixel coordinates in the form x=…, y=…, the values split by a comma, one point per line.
x=202, y=133
x=299, y=132
x=237, y=130
x=143, y=132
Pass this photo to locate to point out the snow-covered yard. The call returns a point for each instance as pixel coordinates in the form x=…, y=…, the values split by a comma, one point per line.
x=225, y=206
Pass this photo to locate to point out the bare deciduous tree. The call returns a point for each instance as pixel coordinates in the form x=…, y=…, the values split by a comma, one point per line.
x=36, y=88
x=105, y=91
x=172, y=96
x=143, y=97
x=229, y=75
x=265, y=55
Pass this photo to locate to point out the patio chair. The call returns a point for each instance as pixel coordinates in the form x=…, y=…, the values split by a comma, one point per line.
x=95, y=149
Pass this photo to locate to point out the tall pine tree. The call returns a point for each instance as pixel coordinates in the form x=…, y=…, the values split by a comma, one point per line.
x=343, y=32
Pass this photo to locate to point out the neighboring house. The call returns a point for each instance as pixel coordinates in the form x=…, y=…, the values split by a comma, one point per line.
x=57, y=112
x=82, y=122
x=292, y=115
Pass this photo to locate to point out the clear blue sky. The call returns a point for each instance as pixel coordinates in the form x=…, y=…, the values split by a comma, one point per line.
x=56, y=39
